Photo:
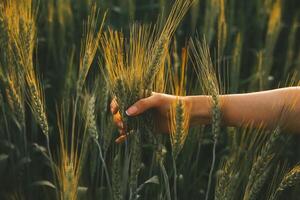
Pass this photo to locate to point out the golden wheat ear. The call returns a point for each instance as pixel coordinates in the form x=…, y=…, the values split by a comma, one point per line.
x=160, y=48
x=71, y=153
x=179, y=113
x=262, y=165
x=202, y=62
x=289, y=180
x=89, y=45
x=23, y=42
x=10, y=73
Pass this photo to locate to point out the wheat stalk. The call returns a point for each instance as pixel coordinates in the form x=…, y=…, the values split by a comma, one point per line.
x=116, y=178
x=238, y=163
x=160, y=155
x=258, y=184
x=261, y=166
x=91, y=118
x=179, y=115
x=227, y=181
x=89, y=46
x=11, y=77
x=16, y=100
x=179, y=112
x=155, y=63
x=211, y=13
x=4, y=36
x=222, y=28
x=71, y=156
x=216, y=121
x=38, y=107
x=133, y=64
x=135, y=163
x=93, y=133
x=158, y=54
x=210, y=85
x=273, y=31
x=24, y=44
x=289, y=180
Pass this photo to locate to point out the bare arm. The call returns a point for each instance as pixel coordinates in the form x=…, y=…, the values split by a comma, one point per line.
x=258, y=108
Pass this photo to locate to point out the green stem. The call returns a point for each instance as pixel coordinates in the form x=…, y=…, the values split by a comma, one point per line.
x=104, y=167
x=175, y=178
x=211, y=170
x=166, y=179
x=52, y=165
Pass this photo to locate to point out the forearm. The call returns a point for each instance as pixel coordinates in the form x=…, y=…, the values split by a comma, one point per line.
x=259, y=108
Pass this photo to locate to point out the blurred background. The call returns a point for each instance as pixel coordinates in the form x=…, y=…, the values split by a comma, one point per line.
x=255, y=45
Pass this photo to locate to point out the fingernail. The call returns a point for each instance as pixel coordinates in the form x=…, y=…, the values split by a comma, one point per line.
x=131, y=111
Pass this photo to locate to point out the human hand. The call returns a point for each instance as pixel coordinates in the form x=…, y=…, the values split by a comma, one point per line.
x=160, y=103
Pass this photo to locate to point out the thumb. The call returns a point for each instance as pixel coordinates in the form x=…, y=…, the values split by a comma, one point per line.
x=142, y=105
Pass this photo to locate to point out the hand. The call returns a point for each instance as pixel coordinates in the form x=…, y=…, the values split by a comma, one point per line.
x=160, y=103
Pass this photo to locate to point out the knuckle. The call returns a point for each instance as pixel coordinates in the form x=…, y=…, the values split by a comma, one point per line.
x=157, y=99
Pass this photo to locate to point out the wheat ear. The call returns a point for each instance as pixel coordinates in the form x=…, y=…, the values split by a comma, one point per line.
x=260, y=168
x=289, y=180
x=93, y=130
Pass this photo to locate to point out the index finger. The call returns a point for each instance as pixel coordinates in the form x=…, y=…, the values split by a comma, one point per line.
x=114, y=107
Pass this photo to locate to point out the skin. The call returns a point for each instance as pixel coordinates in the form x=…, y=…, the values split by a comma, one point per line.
x=267, y=108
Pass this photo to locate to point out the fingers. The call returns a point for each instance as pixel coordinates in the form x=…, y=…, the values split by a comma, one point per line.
x=118, y=120
x=114, y=108
x=138, y=108
x=142, y=105
x=121, y=139
x=123, y=136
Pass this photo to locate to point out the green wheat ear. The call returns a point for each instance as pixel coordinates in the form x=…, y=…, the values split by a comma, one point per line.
x=90, y=44
x=155, y=63
x=289, y=180
x=135, y=164
x=4, y=36
x=16, y=102
x=39, y=109
x=10, y=76
x=120, y=93
x=207, y=75
x=69, y=185
x=261, y=167
x=116, y=178
x=179, y=131
x=91, y=118
x=227, y=181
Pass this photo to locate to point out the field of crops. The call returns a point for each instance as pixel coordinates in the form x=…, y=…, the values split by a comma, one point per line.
x=62, y=62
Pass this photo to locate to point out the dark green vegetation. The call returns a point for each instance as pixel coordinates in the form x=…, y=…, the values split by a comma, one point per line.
x=59, y=70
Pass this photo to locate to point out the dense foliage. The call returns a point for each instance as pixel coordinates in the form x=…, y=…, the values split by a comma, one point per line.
x=63, y=61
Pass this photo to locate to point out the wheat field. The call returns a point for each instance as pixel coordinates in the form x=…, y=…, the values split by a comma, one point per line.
x=62, y=62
